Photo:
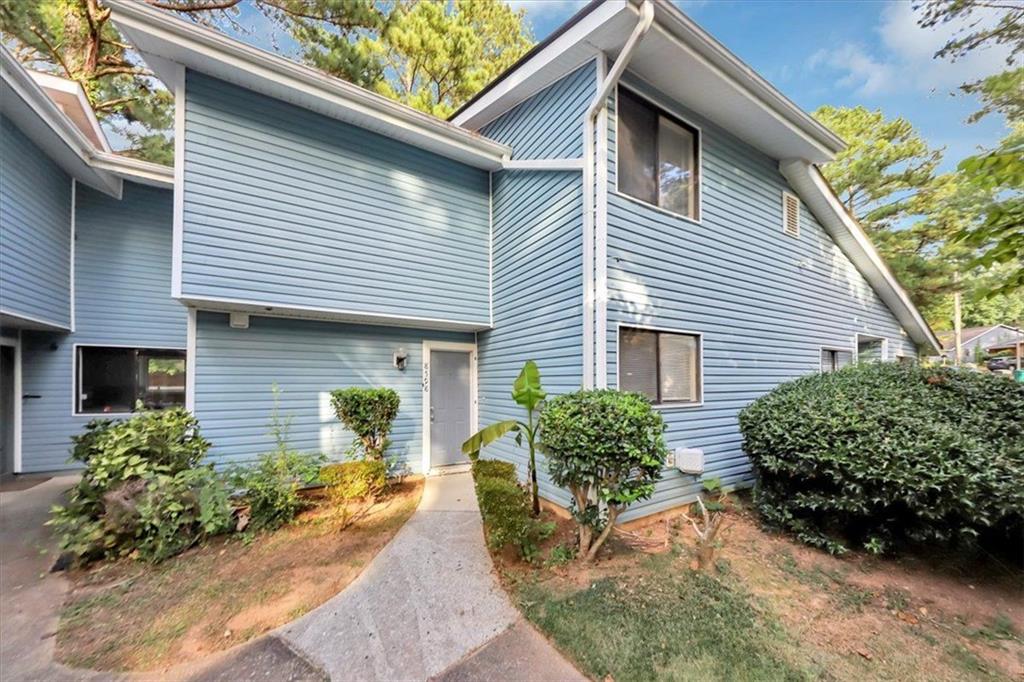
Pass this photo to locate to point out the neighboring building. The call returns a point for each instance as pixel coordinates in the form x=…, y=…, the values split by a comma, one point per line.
x=324, y=236
x=978, y=340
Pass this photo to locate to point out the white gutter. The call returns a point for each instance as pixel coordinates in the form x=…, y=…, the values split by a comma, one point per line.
x=595, y=217
x=543, y=164
x=847, y=233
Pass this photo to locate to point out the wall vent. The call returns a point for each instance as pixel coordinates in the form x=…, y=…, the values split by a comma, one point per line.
x=790, y=214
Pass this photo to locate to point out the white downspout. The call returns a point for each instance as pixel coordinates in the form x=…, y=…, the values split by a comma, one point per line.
x=595, y=227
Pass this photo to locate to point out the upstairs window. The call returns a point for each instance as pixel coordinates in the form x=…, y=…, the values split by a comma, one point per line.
x=657, y=157
x=111, y=380
x=664, y=366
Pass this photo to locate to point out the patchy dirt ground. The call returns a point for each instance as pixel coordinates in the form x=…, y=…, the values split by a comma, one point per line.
x=851, y=618
x=131, y=616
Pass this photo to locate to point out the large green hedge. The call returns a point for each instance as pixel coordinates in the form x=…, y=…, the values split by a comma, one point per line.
x=883, y=453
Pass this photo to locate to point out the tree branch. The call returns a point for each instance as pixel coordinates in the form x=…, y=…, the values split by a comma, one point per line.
x=53, y=51
x=194, y=6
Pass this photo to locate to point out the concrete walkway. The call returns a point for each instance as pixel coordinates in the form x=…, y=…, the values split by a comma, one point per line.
x=428, y=607
x=30, y=596
x=428, y=604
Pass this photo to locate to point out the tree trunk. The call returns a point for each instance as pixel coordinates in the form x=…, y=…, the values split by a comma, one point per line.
x=958, y=325
x=613, y=514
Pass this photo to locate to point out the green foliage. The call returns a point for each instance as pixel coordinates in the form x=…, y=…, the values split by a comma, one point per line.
x=75, y=39
x=272, y=487
x=607, y=448
x=143, y=491
x=528, y=394
x=504, y=508
x=363, y=479
x=881, y=453
x=369, y=413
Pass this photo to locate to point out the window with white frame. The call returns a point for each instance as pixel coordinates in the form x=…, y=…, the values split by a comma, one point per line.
x=665, y=366
x=834, y=358
x=111, y=380
x=658, y=157
x=871, y=348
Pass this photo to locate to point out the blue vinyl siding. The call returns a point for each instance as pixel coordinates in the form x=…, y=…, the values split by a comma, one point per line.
x=538, y=240
x=764, y=301
x=35, y=231
x=237, y=368
x=122, y=297
x=287, y=207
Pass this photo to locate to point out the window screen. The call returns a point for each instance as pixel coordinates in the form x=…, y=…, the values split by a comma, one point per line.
x=113, y=380
x=657, y=157
x=664, y=366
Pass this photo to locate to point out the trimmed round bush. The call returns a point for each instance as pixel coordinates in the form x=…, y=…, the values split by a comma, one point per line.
x=369, y=413
x=606, y=445
x=879, y=454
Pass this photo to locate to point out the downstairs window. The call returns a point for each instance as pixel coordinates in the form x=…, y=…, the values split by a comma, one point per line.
x=111, y=380
x=664, y=366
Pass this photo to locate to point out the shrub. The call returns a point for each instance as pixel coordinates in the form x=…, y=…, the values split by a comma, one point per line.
x=272, y=487
x=143, y=491
x=362, y=479
x=369, y=413
x=505, y=509
x=607, y=448
x=882, y=452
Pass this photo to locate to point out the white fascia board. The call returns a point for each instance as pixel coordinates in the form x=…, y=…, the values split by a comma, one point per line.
x=540, y=70
x=136, y=170
x=816, y=193
x=48, y=80
x=208, y=51
x=31, y=109
x=688, y=32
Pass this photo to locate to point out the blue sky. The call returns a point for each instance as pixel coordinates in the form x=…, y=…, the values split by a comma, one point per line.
x=840, y=52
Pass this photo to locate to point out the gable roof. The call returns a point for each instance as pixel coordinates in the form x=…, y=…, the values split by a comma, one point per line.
x=159, y=34
x=717, y=84
x=969, y=334
x=34, y=111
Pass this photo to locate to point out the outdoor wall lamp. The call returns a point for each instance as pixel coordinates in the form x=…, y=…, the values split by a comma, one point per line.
x=399, y=359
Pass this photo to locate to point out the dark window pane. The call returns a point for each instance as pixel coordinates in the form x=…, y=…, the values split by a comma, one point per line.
x=638, y=362
x=637, y=144
x=107, y=379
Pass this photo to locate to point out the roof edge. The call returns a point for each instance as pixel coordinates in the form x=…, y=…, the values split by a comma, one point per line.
x=810, y=184
x=253, y=64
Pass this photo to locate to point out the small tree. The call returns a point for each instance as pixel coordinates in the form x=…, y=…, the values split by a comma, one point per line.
x=369, y=413
x=607, y=448
x=527, y=392
x=712, y=514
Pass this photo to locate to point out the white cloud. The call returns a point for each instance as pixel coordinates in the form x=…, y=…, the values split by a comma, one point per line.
x=905, y=57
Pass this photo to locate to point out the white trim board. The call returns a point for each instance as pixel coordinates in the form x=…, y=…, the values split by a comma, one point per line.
x=884, y=357
x=71, y=260
x=16, y=344
x=474, y=416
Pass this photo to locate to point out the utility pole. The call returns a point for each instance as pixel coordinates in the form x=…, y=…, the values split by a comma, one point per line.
x=958, y=327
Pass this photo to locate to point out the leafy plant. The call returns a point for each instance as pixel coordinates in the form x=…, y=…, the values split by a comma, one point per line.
x=712, y=514
x=369, y=413
x=346, y=481
x=527, y=393
x=144, y=491
x=881, y=453
x=271, y=487
x=505, y=510
x=607, y=448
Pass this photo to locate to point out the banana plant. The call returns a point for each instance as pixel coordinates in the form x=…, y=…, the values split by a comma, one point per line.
x=527, y=393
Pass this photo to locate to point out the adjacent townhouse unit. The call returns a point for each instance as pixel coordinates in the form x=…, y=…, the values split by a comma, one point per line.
x=978, y=341
x=629, y=205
